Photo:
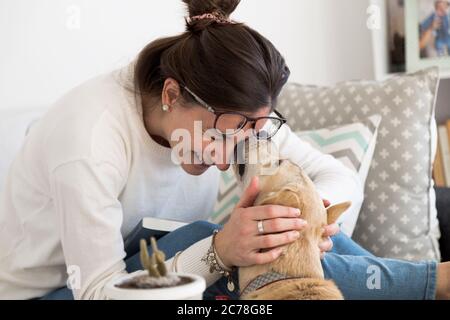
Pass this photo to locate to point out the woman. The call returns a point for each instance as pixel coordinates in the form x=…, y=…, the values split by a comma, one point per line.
x=436, y=25
x=101, y=159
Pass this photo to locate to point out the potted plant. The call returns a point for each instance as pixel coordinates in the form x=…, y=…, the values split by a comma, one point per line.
x=154, y=282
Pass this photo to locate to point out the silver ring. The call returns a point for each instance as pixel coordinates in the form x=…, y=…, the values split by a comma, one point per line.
x=260, y=227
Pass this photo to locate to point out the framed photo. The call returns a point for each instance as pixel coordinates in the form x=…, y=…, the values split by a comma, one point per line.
x=427, y=34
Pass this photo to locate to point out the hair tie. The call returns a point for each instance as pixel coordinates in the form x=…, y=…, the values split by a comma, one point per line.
x=211, y=16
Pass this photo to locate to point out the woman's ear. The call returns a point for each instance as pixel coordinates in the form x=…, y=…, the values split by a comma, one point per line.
x=171, y=92
x=335, y=211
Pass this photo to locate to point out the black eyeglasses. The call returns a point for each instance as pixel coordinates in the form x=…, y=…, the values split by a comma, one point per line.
x=228, y=123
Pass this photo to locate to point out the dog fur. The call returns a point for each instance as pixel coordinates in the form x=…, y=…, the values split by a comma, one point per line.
x=288, y=185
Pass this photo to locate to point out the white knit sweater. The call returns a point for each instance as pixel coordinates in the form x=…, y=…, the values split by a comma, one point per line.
x=88, y=172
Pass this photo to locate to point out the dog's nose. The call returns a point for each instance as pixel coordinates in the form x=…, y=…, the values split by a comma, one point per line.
x=239, y=152
x=241, y=169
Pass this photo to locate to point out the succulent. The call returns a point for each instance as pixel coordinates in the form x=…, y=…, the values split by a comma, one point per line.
x=154, y=264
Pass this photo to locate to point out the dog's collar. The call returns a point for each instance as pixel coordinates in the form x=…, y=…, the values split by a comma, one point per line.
x=263, y=280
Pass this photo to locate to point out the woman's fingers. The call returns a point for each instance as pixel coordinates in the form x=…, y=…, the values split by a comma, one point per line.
x=331, y=230
x=282, y=224
x=328, y=231
x=276, y=240
x=326, y=245
x=271, y=212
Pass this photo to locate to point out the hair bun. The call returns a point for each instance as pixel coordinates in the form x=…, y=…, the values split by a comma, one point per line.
x=222, y=7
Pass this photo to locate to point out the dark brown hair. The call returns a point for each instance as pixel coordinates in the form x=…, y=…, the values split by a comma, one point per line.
x=229, y=66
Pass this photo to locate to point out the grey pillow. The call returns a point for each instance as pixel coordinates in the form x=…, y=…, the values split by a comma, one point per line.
x=398, y=218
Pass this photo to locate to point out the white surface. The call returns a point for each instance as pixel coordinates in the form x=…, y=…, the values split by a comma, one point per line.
x=44, y=54
x=161, y=224
x=380, y=43
x=190, y=291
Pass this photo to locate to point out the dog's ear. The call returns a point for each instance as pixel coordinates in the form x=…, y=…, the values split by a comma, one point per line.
x=286, y=197
x=335, y=211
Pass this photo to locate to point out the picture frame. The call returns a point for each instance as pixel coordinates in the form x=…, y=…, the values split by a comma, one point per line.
x=423, y=34
x=395, y=16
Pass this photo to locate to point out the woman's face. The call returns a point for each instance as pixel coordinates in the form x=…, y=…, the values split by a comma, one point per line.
x=442, y=8
x=195, y=140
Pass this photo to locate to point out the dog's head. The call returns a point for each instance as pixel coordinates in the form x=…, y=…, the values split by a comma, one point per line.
x=283, y=182
x=262, y=158
x=255, y=158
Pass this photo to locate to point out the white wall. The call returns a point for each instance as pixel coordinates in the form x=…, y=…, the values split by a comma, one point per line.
x=42, y=55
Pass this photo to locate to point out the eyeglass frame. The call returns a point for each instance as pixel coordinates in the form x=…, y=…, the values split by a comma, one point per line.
x=247, y=119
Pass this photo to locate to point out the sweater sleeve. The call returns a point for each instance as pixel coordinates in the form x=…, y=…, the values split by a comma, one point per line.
x=189, y=261
x=85, y=193
x=333, y=180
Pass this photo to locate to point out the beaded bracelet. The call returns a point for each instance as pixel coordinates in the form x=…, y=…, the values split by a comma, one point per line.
x=212, y=259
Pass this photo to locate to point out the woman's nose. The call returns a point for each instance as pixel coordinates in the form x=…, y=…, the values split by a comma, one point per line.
x=221, y=159
x=223, y=166
x=220, y=153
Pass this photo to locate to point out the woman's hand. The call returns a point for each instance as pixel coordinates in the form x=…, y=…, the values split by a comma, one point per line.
x=239, y=243
x=328, y=231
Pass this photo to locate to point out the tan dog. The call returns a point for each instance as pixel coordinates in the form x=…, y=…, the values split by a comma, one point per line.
x=297, y=274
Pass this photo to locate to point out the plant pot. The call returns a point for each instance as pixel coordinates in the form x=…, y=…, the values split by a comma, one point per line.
x=189, y=291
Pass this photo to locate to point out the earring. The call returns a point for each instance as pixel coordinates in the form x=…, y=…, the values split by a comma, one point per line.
x=165, y=108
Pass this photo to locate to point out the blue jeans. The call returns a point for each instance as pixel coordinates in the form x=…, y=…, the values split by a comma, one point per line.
x=442, y=46
x=357, y=273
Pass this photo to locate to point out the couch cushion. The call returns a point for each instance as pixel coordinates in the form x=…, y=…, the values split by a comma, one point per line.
x=352, y=144
x=398, y=217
